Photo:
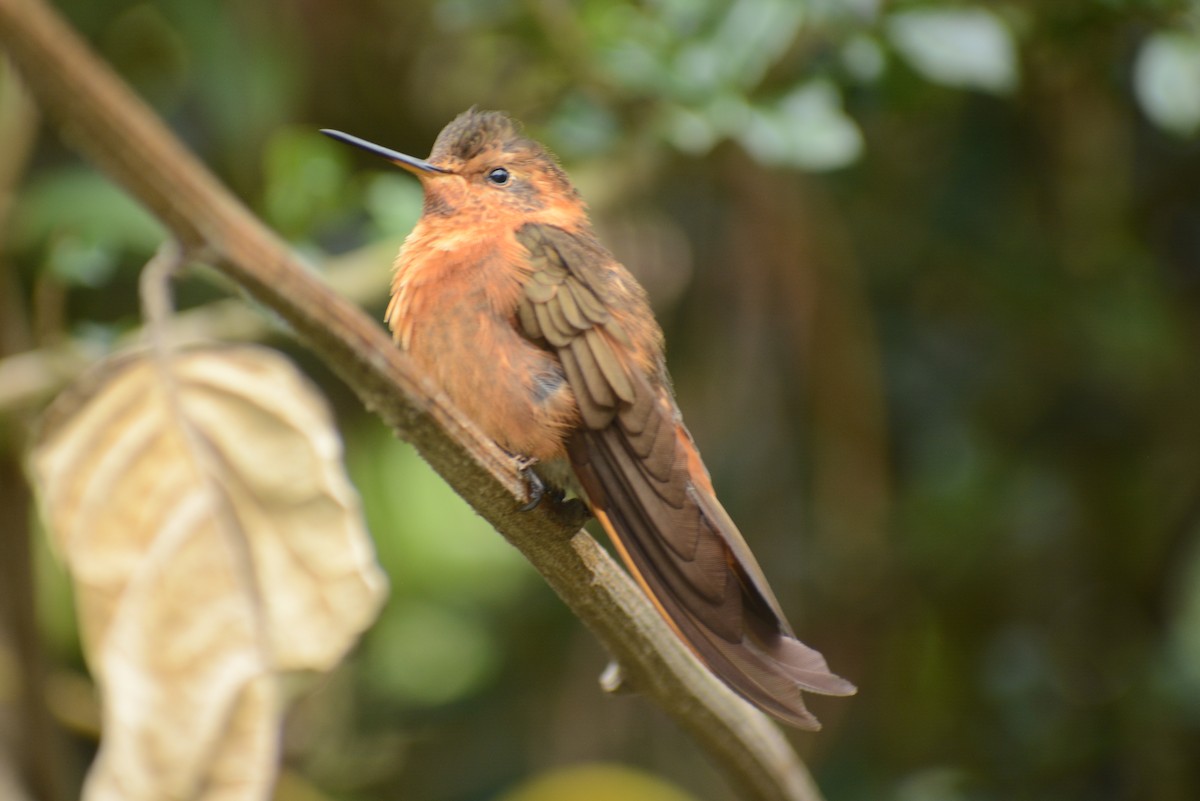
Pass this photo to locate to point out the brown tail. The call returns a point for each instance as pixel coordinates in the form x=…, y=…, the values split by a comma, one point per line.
x=646, y=484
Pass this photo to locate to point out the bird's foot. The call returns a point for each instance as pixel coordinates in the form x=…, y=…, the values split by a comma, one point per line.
x=535, y=486
x=573, y=512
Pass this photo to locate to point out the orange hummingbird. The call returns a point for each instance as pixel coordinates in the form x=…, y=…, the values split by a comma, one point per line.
x=503, y=294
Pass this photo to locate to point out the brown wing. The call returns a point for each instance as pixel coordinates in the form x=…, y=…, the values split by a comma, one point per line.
x=646, y=484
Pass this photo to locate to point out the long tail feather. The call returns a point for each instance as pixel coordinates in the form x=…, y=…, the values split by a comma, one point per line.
x=691, y=560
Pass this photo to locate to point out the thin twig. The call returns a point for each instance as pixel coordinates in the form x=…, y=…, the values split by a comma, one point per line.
x=102, y=117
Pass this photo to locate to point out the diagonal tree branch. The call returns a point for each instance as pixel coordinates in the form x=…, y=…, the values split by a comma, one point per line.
x=103, y=118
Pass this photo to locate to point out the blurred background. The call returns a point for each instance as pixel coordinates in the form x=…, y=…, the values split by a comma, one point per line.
x=930, y=279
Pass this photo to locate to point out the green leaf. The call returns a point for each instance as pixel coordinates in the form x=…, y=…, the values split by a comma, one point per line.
x=1166, y=80
x=84, y=223
x=970, y=48
x=305, y=179
x=806, y=129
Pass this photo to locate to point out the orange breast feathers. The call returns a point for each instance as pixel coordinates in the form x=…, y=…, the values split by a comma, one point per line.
x=452, y=308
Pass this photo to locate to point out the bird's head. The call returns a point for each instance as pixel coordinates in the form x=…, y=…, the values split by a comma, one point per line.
x=484, y=168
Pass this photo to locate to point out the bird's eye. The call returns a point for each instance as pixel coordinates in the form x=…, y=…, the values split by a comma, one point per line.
x=498, y=176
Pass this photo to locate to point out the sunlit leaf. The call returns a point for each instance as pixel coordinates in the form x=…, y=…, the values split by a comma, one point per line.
x=214, y=541
x=806, y=129
x=1166, y=78
x=751, y=35
x=964, y=47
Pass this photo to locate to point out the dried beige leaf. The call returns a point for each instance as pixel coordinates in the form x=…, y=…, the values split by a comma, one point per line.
x=214, y=541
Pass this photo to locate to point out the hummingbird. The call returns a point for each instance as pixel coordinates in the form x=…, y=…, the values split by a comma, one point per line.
x=503, y=294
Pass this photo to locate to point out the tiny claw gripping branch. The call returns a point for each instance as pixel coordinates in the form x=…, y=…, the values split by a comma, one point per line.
x=536, y=487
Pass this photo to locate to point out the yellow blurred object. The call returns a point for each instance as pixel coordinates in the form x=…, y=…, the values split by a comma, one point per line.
x=596, y=782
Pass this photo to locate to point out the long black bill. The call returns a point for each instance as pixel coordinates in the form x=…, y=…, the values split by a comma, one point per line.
x=413, y=165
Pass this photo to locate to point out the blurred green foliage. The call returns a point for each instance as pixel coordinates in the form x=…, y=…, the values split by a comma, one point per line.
x=84, y=225
x=930, y=277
